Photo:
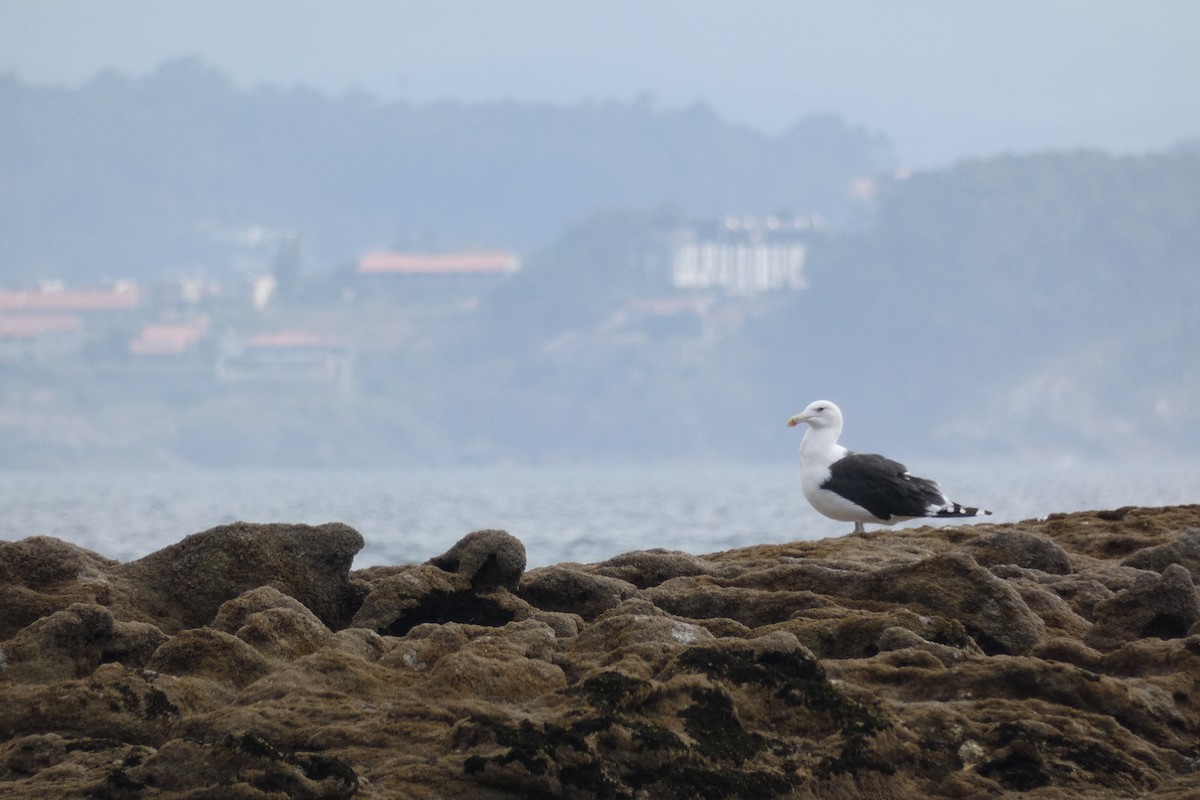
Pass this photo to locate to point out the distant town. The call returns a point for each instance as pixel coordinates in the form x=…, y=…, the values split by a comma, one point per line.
x=263, y=328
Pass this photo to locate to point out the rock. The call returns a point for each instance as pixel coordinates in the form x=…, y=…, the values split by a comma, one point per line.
x=1021, y=548
x=486, y=560
x=992, y=611
x=41, y=575
x=186, y=583
x=407, y=596
x=359, y=642
x=949, y=585
x=562, y=623
x=426, y=645
x=28, y=755
x=43, y=562
x=233, y=614
x=1082, y=594
x=1016, y=747
x=428, y=594
x=713, y=722
x=1184, y=551
x=66, y=644
x=646, y=568
x=703, y=598
x=1055, y=612
x=283, y=633
x=504, y=667
x=71, y=643
x=211, y=654
x=1162, y=606
x=574, y=591
x=276, y=625
x=259, y=769
x=1070, y=651
x=113, y=705
x=132, y=644
x=471, y=583
x=1162, y=661
x=843, y=633
x=919, y=663
x=896, y=639
x=636, y=631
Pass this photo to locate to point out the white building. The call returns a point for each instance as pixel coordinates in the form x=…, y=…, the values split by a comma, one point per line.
x=741, y=257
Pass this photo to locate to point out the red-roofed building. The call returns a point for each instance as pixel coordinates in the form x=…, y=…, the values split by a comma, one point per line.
x=422, y=276
x=122, y=297
x=29, y=326
x=286, y=356
x=49, y=323
x=288, y=340
x=469, y=262
x=39, y=337
x=166, y=339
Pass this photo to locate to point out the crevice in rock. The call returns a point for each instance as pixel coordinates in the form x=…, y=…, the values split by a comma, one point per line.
x=440, y=607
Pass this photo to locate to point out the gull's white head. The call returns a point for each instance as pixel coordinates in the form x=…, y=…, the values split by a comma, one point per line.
x=819, y=414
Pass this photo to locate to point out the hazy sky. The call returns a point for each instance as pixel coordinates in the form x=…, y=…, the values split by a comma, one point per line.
x=943, y=79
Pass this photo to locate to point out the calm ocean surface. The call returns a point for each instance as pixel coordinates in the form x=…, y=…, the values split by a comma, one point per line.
x=583, y=514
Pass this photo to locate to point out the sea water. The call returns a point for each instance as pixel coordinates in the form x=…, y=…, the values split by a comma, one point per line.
x=581, y=514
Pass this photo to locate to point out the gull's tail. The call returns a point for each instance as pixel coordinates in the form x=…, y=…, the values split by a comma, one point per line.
x=955, y=510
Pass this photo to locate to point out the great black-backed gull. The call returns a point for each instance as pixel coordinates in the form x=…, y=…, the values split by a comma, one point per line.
x=862, y=487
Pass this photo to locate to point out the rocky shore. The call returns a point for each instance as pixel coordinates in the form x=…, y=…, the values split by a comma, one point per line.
x=1057, y=658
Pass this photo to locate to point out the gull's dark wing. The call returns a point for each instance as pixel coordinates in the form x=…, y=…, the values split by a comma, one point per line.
x=882, y=486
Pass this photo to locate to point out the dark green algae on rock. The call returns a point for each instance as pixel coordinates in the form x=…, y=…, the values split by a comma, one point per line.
x=710, y=724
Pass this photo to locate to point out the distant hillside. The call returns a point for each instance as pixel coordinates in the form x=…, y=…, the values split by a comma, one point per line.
x=1018, y=304
x=1040, y=305
x=135, y=177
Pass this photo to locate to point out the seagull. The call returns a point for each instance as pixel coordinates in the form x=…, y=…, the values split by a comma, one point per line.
x=862, y=487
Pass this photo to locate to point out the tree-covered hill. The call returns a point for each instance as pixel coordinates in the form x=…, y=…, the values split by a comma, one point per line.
x=1043, y=304
x=1046, y=301
x=1040, y=303
x=133, y=177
